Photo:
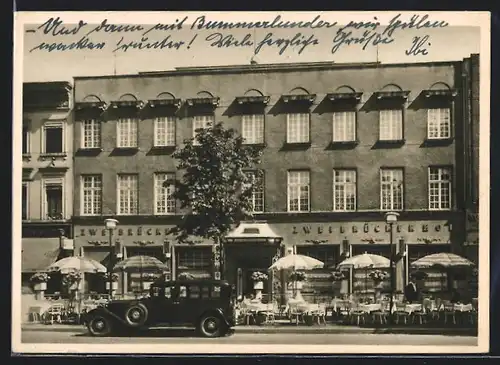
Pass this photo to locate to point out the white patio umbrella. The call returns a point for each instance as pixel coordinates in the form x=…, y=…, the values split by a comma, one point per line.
x=296, y=262
x=77, y=263
x=365, y=261
x=442, y=259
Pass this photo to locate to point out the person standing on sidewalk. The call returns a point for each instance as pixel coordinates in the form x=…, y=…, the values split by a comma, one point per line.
x=412, y=292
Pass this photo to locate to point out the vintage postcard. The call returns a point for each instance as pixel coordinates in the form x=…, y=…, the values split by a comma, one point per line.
x=269, y=182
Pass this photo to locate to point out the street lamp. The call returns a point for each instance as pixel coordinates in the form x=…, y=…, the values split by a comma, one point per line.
x=391, y=218
x=110, y=225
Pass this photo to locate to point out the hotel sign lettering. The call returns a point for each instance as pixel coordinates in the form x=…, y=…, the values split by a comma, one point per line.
x=134, y=232
x=377, y=232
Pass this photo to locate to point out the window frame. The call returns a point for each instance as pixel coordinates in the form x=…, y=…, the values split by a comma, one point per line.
x=94, y=122
x=136, y=121
x=205, y=250
x=155, y=193
x=165, y=119
x=27, y=129
x=450, y=184
x=262, y=174
x=254, y=122
x=53, y=124
x=354, y=127
x=53, y=181
x=82, y=195
x=308, y=191
x=193, y=119
x=118, y=212
x=429, y=111
x=25, y=204
x=355, y=183
x=402, y=114
x=391, y=208
x=288, y=134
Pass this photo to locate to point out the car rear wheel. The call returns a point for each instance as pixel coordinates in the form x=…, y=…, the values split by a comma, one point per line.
x=211, y=326
x=99, y=326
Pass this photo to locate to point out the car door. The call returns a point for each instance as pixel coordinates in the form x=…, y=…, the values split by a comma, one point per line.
x=163, y=303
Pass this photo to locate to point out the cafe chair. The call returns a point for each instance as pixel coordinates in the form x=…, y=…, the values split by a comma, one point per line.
x=400, y=313
x=319, y=313
x=380, y=316
x=54, y=314
x=357, y=315
x=449, y=311
x=35, y=314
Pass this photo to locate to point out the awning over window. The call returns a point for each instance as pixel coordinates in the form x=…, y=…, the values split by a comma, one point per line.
x=39, y=253
x=100, y=256
x=254, y=231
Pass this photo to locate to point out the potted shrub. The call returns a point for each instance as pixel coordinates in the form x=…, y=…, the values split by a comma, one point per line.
x=39, y=281
x=378, y=277
x=337, y=276
x=258, y=279
x=71, y=280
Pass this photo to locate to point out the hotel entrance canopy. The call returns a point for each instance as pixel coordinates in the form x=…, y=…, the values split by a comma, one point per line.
x=254, y=232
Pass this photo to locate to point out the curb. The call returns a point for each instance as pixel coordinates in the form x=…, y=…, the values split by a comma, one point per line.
x=299, y=330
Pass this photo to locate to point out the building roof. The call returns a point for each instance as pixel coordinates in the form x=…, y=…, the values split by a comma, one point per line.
x=272, y=67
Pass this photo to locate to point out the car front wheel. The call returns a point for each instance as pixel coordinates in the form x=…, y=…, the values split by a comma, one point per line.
x=211, y=326
x=99, y=326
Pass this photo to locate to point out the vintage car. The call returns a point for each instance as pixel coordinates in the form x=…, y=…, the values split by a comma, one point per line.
x=206, y=305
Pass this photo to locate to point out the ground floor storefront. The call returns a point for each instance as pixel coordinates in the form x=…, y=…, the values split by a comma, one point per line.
x=255, y=246
x=41, y=246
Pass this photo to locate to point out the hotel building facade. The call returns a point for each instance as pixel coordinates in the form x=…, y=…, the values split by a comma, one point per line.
x=342, y=144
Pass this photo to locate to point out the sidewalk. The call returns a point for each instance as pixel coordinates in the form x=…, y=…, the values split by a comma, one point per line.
x=293, y=329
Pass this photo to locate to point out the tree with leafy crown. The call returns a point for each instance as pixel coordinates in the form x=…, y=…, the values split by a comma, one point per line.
x=215, y=189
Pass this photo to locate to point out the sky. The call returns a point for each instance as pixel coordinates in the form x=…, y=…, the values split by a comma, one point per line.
x=447, y=44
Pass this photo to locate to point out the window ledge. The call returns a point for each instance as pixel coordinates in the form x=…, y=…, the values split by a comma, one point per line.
x=125, y=151
x=391, y=143
x=334, y=145
x=296, y=145
x=438, y=141
x=86, y=151
x=256, y=145
x=53, y=156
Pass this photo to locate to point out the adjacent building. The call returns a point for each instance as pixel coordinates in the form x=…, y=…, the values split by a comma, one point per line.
x=47, y=181
x=342, y=144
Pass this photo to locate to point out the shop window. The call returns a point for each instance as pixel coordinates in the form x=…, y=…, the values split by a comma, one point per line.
x=194, y=258
x=328, y=254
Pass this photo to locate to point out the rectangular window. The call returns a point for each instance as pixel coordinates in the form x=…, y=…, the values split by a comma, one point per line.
x=298, y=191
x=126, y=133
x=328, y=254
x=54, y=201
x=128, y=194
x=194, y=291
x=252, y=127
x=391, y=189
x=24, y=201
x=439, y=188
x=438, y=123
x=164, y=200
x=26, y=137
x=344, y=126
x=258, y=191
x=391, y=125
x=201, y=122
x=344, y=190
x=164, y=131
x=53, y=137
x=91, y=133
x=297, y=128
x=194, y=258
x=91, y=198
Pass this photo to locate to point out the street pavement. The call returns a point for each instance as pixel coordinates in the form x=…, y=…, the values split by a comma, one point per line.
x=162, y=336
